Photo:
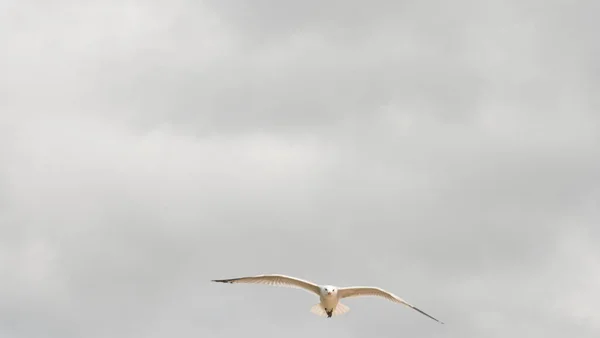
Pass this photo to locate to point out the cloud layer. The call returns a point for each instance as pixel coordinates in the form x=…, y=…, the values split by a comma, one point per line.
x=448, y=152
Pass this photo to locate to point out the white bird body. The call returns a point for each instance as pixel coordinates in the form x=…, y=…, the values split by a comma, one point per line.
x=328, y=301
x=329, y=295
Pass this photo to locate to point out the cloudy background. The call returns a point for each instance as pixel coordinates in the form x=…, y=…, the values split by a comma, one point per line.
x=445, y=150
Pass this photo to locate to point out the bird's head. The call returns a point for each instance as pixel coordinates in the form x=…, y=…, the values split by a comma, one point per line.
x=328, y=291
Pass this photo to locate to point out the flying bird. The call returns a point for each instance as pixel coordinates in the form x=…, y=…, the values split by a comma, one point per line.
x=329, y=296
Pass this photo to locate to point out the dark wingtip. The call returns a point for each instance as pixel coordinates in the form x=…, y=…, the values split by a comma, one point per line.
x=428, y=315
x=221, y=280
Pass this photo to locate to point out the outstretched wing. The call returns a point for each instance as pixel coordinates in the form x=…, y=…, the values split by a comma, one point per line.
x=275, y=280
x=358, y=291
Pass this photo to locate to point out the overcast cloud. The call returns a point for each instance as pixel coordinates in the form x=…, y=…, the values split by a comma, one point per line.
x=448, y=151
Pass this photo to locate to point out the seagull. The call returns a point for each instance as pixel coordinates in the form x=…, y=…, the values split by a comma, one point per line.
x=330, y=296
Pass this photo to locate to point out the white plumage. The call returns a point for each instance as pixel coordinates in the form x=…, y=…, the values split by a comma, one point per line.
x=329, y=296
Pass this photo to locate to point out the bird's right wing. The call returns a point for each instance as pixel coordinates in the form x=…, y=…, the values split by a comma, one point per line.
x=358, y=291
x=275, y=280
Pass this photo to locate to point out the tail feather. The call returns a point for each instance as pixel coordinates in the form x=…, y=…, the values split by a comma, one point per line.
x=340, y=309
x=320, y=311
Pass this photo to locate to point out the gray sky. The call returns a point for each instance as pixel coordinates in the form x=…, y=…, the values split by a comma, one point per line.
x=446, y=151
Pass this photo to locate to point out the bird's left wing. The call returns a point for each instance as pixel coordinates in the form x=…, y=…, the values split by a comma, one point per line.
x=357, y=291
x=275, y=280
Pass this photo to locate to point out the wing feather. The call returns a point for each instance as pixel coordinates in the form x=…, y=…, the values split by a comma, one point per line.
x=358, y=291
x=274, y=280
